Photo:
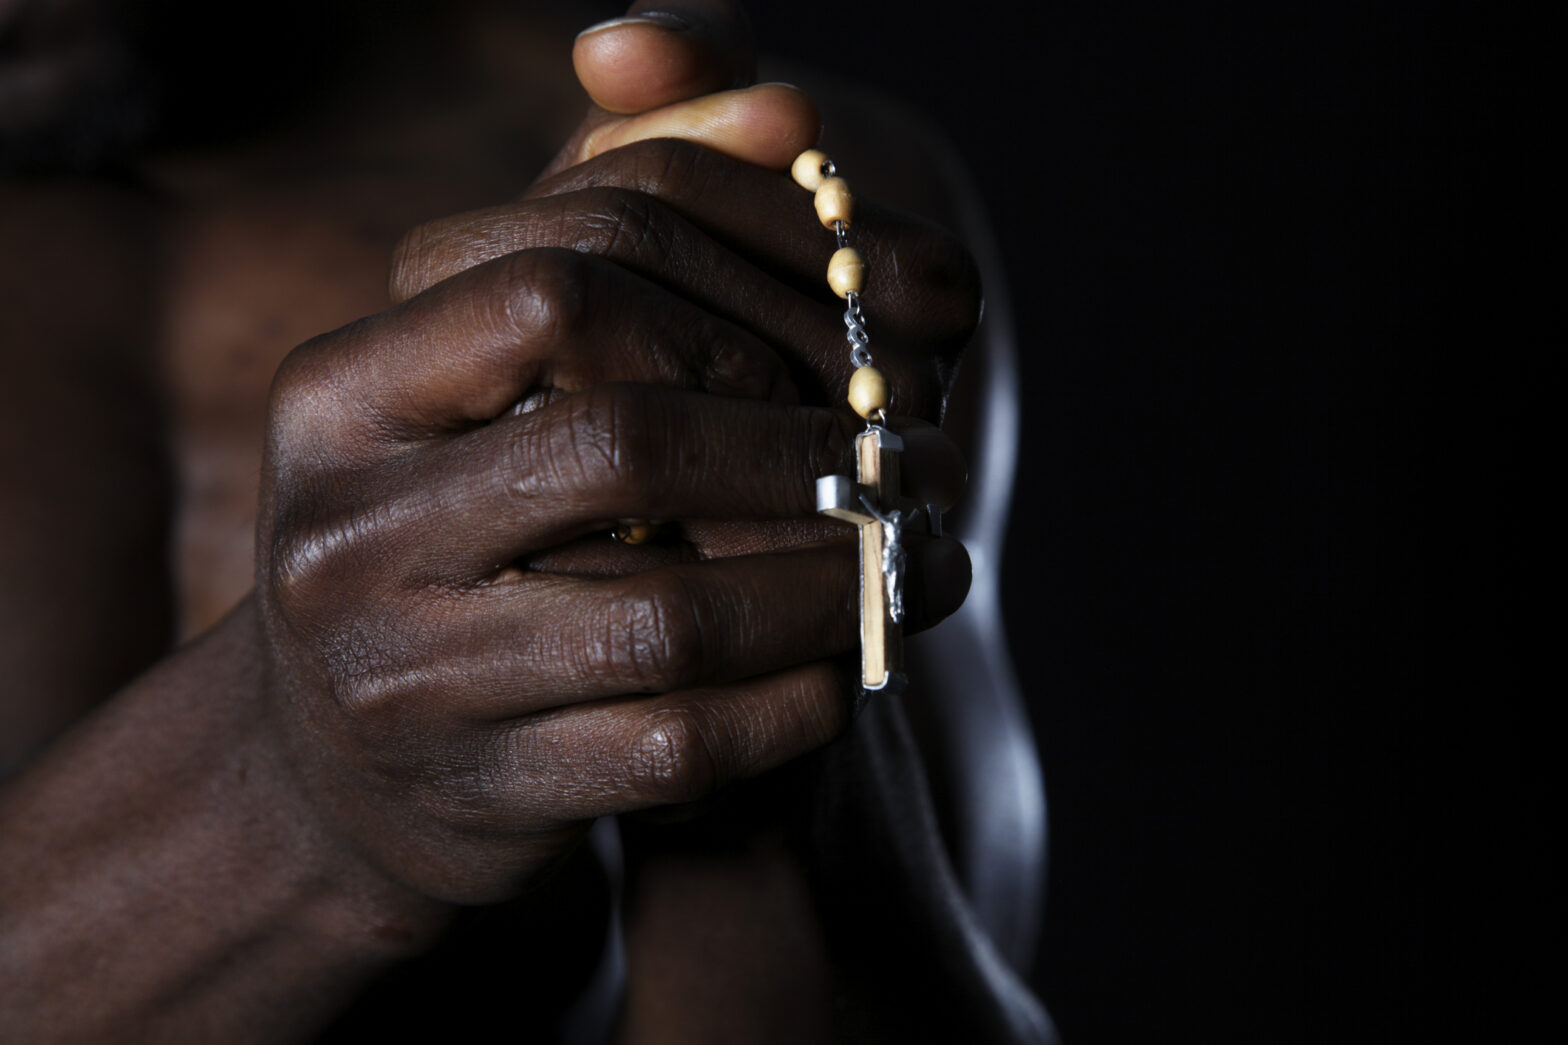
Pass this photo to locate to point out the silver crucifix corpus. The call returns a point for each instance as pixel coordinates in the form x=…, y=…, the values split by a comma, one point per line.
x=892, y=557
x=871, y=502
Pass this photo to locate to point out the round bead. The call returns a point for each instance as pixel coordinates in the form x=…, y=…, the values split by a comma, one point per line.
x=846, y=272
x=834, y=203
x=633, y=532
x=868, y=391
x=807, y=169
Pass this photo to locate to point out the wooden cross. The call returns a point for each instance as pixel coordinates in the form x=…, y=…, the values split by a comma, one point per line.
x=873, y=504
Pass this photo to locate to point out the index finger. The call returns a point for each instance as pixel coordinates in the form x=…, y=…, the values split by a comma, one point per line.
x=923, y=286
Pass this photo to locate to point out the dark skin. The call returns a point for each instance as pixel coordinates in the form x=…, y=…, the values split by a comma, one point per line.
x=446, y=671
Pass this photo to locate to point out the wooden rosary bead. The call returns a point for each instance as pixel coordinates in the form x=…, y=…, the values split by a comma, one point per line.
x=868, y=391
x=633, y=532
x=846, y=272
x=834, y=203
x=807, y=169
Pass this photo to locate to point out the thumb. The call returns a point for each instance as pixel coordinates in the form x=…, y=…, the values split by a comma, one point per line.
x=677, y=69
x=662, y=52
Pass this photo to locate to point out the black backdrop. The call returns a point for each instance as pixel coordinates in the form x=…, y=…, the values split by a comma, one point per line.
x=1280, y=279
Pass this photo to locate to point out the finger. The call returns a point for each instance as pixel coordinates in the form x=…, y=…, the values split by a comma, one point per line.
x=661, y=630
x=767, y=125
x=652, y=59
x=922, y=286
x=923, y=307
x=657, y=59
x=931, y=466
x=535, y=480
x=528, y=642
x=618, y=756
x=467, y=507
x=673, y=52
x=524, y=326
x=932, y=473
x=687, y=625
x=920, y=278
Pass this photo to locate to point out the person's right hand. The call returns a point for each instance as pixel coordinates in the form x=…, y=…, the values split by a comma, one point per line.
x=467, y=670
x=458, y=716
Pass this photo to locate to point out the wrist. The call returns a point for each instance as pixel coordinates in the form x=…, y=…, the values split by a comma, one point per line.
x=165, y=844
x=344, y=894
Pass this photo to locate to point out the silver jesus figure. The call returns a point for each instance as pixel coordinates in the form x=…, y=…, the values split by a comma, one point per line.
x=893, y=558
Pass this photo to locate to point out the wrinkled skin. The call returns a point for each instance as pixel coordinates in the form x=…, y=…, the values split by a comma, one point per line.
x=415, y=531
x=447, y=670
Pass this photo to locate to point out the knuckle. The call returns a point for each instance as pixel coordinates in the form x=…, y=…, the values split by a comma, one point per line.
x=316, y=418
x=543, y=295
x=622, y=223
x=359, y=663
x=656, y=166
x=305, y=563
x=528, y=468
x=436, y=250
x=313, y=563
x=827, y=440
x=657, y=641
x=296, y=395
x=355, y=655
x=732, y=368
x=675, y=761
x=611, y=440
x=660, y=165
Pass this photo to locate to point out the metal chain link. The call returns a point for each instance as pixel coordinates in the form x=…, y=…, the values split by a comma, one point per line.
x=854, y=320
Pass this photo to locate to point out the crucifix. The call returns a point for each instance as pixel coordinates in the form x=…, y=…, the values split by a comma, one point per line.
x=871, y=502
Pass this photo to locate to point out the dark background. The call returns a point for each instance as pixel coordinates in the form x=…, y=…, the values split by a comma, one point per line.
x=1282, y=274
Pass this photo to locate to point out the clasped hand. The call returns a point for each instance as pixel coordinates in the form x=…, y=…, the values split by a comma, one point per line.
x=466, y=669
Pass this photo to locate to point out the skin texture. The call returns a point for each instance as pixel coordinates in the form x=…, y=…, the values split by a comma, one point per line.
x=445, y=670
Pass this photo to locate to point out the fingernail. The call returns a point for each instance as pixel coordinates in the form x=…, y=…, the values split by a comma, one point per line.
x=659, y=19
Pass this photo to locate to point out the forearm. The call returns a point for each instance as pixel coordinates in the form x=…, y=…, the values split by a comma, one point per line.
x=158, y=876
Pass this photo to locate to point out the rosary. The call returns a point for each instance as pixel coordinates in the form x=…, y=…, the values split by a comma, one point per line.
x=871, y=500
